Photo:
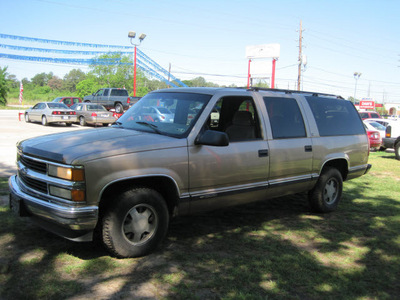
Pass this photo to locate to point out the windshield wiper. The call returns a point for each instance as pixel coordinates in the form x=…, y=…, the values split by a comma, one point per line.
x=152, y=126
x=117, y=123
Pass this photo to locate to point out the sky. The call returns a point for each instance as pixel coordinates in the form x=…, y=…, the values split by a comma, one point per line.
x=208, y=38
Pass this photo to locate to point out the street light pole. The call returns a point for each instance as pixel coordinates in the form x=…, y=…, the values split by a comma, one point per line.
x=132, y=35
x=356, y=77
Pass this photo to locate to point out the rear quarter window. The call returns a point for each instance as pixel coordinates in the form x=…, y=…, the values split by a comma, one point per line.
x=375, y=115
x=364, y=115
x=335, y=116
x=119, y=93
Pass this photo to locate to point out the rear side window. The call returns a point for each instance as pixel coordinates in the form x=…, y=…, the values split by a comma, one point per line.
x=285, y=118
x=335, y=116
x=375, y=115
x=119, y=93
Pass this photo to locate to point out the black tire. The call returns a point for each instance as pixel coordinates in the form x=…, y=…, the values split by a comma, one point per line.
x=397, y=150
x=119, y=109
x=124, y=237
x=105, y=124
x=82, y=121
x=68, y=124
x=44, y=121
x=27, y=120
x=327, y=192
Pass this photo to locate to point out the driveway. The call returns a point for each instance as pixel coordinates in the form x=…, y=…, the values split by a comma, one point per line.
x=12, y=130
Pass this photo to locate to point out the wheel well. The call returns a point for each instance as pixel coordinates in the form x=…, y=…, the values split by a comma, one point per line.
x=165, y=186
x=340, y=164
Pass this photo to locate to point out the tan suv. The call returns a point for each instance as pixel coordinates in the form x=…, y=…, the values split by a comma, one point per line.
x=128, y=180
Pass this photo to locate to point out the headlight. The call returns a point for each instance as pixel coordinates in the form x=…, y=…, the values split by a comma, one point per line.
x=67, y=173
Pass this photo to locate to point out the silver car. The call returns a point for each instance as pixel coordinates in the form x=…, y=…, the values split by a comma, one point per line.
x=89, y=113
x=50, y=112
x=157, y=114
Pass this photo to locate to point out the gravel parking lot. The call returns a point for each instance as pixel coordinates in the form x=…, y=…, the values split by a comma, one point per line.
x=13, y=130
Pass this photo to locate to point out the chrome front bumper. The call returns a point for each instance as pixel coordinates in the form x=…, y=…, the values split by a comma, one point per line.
x=75, y=223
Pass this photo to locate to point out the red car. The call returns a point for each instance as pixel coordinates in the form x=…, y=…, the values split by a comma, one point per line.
x=369, y=114
x=374, y=139
x=68, y=101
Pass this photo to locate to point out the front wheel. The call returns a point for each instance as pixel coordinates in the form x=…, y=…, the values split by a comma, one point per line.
x=326, y=194
x=27, y=120
x=135, y=223
x=397, y=150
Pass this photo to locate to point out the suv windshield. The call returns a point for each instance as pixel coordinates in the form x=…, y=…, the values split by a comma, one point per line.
x=183, y=110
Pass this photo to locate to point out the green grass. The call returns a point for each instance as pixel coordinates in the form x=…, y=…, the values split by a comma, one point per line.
x=3, y=186
x=271, y=250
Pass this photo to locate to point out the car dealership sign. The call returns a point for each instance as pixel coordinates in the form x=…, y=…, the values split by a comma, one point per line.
x=263, y=51
x=367, y=104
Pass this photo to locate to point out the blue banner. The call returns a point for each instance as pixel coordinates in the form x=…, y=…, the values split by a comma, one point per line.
x=96, y=61
x=55, y=42
x=77, y=52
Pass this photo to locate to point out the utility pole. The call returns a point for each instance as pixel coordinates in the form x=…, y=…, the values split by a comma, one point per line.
x=300, y=56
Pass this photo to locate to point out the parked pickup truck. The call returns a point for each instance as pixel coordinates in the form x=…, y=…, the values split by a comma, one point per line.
x=392, y=137
x=110, y=98
x=126, y=181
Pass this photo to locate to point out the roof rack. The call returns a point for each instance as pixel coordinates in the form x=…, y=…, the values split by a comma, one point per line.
x=256, y=89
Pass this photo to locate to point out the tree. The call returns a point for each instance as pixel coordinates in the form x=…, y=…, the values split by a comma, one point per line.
x=87, y=86
x=13, y=81
x=72, y=79
x=55, y=83
x=4, y=89
x=199, y=82
x=41, y=79
x=112, y=70
x=261, y=84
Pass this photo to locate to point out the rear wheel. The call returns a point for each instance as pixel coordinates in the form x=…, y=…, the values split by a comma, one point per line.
x=119, y=109
x=397, y=150
x=326, y=194
x=82, y=121
x=44, y=121
x=135, y=223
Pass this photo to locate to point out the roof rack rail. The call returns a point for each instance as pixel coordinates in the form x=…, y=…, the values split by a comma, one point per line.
x=315, y=94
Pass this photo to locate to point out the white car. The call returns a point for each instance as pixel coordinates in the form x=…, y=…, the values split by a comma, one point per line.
x=373, y=125
x=384, y=122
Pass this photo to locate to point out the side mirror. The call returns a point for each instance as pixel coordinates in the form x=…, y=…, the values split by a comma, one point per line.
x=212, y=138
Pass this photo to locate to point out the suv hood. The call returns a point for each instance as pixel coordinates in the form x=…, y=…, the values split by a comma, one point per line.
x=83, y=145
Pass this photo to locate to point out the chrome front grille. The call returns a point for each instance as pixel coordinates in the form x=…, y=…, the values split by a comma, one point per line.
x=34, y=183
x=33, y=164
